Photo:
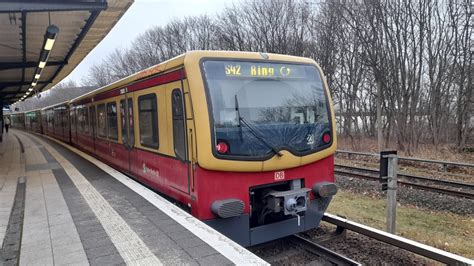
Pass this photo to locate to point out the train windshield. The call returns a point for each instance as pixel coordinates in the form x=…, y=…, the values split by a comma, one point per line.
x=259, y=109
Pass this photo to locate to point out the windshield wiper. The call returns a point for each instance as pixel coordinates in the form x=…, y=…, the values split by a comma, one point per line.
x=252, y=130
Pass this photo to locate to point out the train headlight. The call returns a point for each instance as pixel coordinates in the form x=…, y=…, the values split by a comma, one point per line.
x=222, y=147
x=326, y=138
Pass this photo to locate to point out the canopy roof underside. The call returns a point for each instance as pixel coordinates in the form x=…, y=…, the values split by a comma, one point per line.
x=82, y=25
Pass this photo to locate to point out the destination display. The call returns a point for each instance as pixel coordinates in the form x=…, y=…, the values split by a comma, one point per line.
x=255, y=70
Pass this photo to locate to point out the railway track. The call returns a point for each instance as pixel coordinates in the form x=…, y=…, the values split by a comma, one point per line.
x=397, y=241
x=301, y=250
x=373, y=174
x=322, y=252
x=317, y=254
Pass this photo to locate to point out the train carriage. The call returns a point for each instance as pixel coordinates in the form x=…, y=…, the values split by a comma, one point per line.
x=56, y=121
x=17, y=120
x=244, y=140
x=33, y=121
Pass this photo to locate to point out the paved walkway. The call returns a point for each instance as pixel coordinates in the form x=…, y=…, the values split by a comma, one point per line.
x=11, y=168
x=57, y=208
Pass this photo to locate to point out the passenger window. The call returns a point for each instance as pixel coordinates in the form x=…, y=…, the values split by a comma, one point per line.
x=80, y=118
x=132, y=128
x=178, y=124
x=112, y=128
x=127, y=125
x=101, y=125
x=92, y=120
x=85, y=120
x=123, y=122
x=73, y=113
x=148, y=121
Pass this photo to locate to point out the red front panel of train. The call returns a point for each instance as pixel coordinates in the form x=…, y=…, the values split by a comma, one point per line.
x=218, y=185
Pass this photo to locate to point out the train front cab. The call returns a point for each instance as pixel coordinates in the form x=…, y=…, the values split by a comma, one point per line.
x=263, y=166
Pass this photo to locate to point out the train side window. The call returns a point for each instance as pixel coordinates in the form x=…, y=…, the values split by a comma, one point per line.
x=112, y=128
x=101, y=125
x=148, y=120
x=80, y=117
x=50, y=119
x=127, y=124
x=178, y=124
x=73, y=114
x=56, y=118
x=92, y=120
x=132, y=128
x=123, y=122
x=85, y=117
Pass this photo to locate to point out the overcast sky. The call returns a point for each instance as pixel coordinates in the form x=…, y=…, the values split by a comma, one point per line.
x=143, y=15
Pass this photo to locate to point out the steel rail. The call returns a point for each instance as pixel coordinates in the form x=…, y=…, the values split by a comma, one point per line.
x=321, y=251
x=401, y=242
x=447, y=182
x=415, y=185
x=409, y=158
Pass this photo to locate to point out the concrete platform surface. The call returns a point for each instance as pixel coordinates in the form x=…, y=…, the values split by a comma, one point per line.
x=60, y=206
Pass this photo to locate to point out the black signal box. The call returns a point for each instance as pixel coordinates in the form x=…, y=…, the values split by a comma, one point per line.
x=384, y=165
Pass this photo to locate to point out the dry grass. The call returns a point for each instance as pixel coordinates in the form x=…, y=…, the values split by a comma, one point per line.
x=427, y=151
x=450, y=232
x=464, y=174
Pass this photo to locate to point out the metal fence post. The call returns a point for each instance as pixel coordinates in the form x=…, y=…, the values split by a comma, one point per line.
x=392, y=193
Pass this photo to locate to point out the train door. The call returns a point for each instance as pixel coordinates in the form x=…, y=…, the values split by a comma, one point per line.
x=92, y=127
x=190, y=133
x=126, y=124
x=182, y=175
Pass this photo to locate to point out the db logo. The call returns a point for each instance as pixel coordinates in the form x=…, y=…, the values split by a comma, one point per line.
x=279, y=175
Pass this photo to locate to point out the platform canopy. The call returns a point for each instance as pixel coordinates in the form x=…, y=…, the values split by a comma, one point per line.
x=42, y=41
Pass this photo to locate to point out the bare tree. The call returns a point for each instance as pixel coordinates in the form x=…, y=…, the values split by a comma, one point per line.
x=398, y=70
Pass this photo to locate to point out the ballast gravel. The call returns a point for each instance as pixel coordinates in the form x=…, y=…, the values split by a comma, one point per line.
x=409, y=196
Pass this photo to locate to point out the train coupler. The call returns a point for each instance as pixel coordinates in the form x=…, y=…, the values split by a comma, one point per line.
x=289, y=202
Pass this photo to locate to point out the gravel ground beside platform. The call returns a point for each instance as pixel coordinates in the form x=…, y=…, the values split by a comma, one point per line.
x=354, y=246
x=419, y=198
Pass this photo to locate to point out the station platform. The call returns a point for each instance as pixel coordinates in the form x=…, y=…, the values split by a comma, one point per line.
x=59, y=206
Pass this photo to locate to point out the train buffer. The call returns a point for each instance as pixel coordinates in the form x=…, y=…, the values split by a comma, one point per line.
x=60, y=206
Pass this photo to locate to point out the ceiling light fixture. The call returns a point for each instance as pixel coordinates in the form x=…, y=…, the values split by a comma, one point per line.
x=48, y=43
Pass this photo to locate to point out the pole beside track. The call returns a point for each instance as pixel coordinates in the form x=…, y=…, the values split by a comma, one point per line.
x=398, y=241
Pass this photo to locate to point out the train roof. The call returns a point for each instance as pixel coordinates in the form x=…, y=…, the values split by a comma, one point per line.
x=54, y=105
x=34, y=110
x=176, y=61
x=188, y=57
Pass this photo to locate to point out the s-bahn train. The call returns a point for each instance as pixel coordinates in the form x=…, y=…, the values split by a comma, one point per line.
x=244, y=141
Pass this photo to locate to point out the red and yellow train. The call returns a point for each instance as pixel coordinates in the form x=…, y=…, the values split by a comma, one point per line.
x=244, y=141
